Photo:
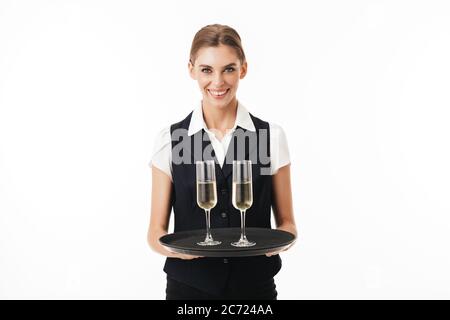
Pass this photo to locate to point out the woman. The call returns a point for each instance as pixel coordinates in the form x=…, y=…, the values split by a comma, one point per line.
x=217, y=62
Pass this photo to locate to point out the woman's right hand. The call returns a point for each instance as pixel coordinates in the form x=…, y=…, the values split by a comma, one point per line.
x=184, y=256
x=160, y=211
x=187, y=256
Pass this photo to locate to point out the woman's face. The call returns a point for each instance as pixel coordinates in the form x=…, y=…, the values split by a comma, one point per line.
x=217, y=71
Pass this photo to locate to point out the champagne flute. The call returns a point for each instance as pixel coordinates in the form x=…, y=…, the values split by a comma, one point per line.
x=206, y=195
x=242, y=196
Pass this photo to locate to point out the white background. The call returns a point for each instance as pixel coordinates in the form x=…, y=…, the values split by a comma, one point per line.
x=361, y=89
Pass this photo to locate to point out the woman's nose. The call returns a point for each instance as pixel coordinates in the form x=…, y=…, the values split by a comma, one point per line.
x=218, y=79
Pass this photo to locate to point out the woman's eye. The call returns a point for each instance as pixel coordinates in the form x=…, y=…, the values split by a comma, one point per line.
x=206, y=70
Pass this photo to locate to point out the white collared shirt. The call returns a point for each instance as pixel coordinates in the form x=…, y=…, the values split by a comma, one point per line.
x=162, y=149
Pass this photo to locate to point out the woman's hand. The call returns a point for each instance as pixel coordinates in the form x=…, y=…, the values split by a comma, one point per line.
x=160, y=212
x=282, y=204
x=288, y=227
x=279, y=251
x=180, y=255
x=186, y=256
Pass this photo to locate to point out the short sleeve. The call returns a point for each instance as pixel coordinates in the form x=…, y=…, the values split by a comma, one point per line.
x=162, y=152
x=279, y=150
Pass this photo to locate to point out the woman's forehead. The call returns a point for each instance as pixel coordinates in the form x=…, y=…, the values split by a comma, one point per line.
x=217, y=56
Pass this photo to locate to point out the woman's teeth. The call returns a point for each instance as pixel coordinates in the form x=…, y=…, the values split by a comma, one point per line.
x=218, y=93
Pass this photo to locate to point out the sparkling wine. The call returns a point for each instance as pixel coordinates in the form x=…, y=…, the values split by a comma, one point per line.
x=242, y=195
x=206, y=194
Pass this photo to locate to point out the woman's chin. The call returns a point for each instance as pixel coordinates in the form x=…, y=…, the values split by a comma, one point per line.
x=218, y=104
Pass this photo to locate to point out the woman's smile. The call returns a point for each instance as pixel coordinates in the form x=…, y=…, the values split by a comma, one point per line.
x=218, y=94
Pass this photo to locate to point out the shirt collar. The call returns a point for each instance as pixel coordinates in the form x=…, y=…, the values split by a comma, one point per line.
x=243, y=119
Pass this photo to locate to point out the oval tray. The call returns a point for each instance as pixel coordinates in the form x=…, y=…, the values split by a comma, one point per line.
x=267, y=241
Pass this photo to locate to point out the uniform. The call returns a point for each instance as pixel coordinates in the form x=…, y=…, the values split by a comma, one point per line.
x=246, y=277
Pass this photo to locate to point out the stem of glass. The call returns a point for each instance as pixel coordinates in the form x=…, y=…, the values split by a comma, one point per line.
x=243, y=237
x=208, y=227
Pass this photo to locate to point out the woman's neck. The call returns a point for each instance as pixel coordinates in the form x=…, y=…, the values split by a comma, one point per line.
x=220, y=119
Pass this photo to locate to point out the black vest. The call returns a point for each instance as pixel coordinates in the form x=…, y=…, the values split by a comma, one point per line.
x=211, y=274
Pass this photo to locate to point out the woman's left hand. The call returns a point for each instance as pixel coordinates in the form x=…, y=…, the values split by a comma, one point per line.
x=279, y=251
x=282, y=204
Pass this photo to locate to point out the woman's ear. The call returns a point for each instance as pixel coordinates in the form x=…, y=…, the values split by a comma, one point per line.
x=243, y=70
x=191, y=70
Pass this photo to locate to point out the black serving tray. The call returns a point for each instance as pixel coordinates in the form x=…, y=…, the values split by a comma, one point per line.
x=267, y=241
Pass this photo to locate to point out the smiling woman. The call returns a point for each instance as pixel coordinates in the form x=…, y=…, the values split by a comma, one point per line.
x=217, y=62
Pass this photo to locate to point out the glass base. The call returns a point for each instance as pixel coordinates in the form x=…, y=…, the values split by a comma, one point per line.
x=209, y=243
x=243, y=243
